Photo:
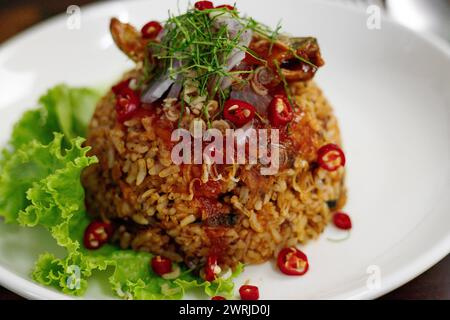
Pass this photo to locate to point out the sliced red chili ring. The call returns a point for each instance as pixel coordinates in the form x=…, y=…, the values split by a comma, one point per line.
x=238, y=112
x=225, y=6
x=292, y=262
x=97, y=234
x=342, y=221
x=151, y=30
x=161, y=265
x=212, y=268
x=330, y=157
x=117, y=89
x=127, y=103
x=218, y=298
x=248, y=292
x=204, y=5
x=280, y=111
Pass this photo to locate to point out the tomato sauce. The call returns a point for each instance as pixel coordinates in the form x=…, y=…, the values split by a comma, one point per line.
x=210, y=208
x=217, y=245
x=163, y=130
x=267, y=51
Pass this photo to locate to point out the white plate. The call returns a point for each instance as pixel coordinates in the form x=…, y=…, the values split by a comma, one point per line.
x=390, y=89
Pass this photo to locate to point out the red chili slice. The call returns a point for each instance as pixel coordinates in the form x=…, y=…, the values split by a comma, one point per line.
x=211, y=268
x=117, y=89
x=239, y=112
x=161, y=265
x=97, y=234
x=151, y=29
x=218, y=298
x=127, y=103
x=330, y=157
x=248, y=292
x=226, y=6
x=342, y=220
x=292, y=262
x=280, y=111
x=204, y=5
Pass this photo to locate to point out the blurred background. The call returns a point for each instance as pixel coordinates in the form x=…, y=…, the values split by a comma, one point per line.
x=432, y=16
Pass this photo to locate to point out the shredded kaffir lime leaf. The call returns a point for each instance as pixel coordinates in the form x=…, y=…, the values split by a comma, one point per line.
x=195, y=44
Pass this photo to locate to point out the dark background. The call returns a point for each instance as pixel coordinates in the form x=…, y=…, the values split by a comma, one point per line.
x=18, y=15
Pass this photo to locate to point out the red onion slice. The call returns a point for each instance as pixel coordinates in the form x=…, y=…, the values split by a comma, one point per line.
x=236, y=57
x=226, y=82
x=160, y=35
x=246, y=38
x=226, y=19
x=176, y=88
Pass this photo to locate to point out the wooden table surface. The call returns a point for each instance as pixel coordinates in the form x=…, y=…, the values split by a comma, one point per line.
x=18, y=15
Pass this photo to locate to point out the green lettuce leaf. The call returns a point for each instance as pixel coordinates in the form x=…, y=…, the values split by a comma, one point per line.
x=40, y=186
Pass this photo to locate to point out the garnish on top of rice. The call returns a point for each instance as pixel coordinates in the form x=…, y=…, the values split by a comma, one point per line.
x=213, y=68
